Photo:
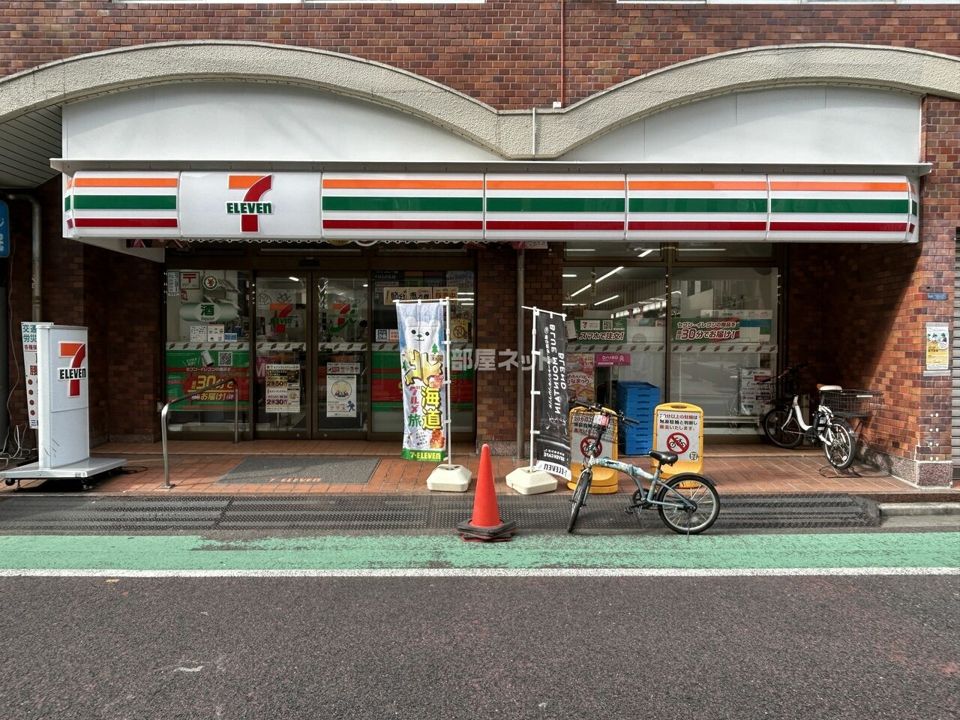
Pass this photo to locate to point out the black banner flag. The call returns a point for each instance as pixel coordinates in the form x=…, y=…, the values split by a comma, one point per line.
x=552, y=444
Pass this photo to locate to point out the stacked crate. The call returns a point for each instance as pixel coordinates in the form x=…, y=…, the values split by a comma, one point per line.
x=637, y=401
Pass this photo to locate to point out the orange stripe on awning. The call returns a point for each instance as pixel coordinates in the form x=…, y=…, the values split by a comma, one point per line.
x=398, y=184
x=69, y=183
x=840, y=186
x=555, y=184
x=125, y=182
x=698, y=185
x=243, y=182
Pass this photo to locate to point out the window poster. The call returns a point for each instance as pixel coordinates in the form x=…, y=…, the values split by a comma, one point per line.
x=341, y=395
x=282, y=394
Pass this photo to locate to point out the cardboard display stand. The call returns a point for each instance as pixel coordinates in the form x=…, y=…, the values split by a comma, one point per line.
x=59, y=399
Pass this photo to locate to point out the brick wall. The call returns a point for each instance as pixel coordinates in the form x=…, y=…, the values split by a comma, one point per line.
x=857, y=315
x=503, y=52
x=115, y=296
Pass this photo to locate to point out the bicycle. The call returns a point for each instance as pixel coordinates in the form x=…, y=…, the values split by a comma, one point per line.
x=688, y=503
x=786, y=428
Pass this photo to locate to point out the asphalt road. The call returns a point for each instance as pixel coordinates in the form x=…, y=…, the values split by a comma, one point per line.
x=491, y=647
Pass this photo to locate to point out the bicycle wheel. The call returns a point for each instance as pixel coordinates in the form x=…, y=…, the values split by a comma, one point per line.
x=781, y=428
x=700, y=491
x=840, y=445
x=579, y=496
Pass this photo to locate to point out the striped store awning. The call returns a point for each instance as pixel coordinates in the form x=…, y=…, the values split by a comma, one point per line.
x=481, y=207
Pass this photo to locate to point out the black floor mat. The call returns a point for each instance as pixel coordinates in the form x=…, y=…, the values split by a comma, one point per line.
x=333, y=469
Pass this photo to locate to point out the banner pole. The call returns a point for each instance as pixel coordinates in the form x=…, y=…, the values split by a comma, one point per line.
x=449, y=383
x=533, y=377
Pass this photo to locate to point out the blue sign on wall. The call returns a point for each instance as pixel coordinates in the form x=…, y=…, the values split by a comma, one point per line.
x=4, y=230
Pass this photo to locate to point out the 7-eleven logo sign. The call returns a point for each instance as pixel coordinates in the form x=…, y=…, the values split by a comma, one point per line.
x=77, y=352
x=251, y=208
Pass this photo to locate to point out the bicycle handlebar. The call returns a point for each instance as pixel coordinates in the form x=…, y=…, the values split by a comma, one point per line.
x=607, y=411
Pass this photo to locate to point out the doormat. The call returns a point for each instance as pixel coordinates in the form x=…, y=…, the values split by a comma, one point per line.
x=333, y=469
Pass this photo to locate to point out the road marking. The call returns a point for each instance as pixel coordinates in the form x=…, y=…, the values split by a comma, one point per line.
x=483, y=573
x=558, y=555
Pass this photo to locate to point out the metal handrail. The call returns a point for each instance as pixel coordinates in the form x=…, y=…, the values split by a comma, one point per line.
x=166, y=409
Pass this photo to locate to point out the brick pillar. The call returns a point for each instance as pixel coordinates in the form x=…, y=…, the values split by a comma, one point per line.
x=939, y=228
x=858, y=314
x=134, y=324
x=497, y=332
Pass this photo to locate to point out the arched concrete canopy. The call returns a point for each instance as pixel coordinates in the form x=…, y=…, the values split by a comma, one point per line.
x=510, y=133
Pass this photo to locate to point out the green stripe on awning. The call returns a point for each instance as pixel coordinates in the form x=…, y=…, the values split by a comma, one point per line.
x=825, y=205
x=555, y=205
x=125, y=202
x=698, y=205
x=66, y=204
x=403, y=204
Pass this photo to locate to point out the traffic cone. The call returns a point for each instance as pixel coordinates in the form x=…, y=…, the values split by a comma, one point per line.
x=485, y=525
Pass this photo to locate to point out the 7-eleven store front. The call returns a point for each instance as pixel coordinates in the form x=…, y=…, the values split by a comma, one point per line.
x=282, y=273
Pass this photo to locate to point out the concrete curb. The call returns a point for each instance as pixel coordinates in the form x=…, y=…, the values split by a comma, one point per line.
x=918, y=508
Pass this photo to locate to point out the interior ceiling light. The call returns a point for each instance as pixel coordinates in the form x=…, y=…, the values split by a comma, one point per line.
x=569, y=275
x=646, y=252
x=581, y=249
x=585, y=287
x=612, y=272
x=601, y=302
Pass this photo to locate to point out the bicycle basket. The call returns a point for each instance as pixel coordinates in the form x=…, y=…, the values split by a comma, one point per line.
x=852, y=403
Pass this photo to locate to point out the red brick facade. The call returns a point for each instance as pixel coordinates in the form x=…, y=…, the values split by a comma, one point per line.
x=855, y=313
x=503, y=52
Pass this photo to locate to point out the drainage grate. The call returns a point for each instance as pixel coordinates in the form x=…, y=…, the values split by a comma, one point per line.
x=355, y=513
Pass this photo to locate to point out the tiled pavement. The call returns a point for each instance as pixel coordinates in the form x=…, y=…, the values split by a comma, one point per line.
x=197, y=466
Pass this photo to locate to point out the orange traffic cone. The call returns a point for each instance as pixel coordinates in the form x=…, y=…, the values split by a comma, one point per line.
x=485, y=525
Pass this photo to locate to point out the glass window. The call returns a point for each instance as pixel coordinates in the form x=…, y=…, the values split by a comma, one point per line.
x=723, y=334
x=632, y=251
x=208, y=341
x=617, y=329
x=282, y=317
x=722, y=251
x=408, y=284
x=343, y=333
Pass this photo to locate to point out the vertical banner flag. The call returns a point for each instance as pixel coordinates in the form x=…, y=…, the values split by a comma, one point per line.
x=422, y=327
x=552, y=444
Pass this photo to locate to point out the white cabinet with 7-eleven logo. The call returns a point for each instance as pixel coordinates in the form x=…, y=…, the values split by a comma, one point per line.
x=59, y=398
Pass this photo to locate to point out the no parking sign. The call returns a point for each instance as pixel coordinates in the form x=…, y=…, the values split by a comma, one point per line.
x=678, y=428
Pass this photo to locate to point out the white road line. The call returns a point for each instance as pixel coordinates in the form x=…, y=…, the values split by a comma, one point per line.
x=483, y=572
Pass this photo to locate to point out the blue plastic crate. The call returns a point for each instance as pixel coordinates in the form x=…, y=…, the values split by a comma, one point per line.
x=636, y=442
x=633, y=392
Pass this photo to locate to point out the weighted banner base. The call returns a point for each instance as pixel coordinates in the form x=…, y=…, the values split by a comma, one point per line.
x=449, y=478
x=531, y=481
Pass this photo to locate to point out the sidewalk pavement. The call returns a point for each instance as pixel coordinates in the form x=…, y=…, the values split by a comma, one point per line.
x=197, y=467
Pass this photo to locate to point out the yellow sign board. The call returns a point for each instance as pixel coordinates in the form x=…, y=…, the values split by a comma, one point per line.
x=678, y=428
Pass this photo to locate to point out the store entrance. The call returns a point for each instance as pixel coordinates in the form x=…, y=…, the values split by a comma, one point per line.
x=312, y=353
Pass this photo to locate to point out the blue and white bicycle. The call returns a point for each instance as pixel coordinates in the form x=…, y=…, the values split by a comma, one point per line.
x=688, y=503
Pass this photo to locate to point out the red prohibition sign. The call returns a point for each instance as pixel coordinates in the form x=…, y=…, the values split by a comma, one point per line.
x=678, y=443
x=584, y=447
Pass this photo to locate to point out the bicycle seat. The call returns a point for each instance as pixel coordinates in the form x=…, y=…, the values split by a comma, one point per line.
x=664, y=458
x=828, y=388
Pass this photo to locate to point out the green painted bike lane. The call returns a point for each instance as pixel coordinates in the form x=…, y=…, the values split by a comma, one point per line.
x=810, y=552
